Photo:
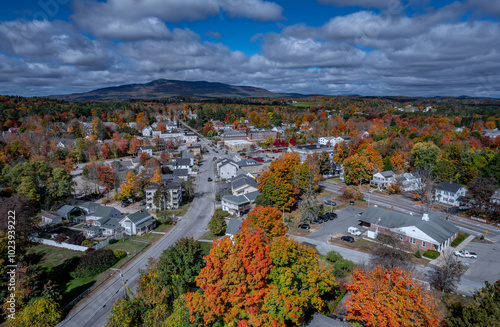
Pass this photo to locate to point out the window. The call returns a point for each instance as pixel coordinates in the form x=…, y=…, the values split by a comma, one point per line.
x=401, y=237
x=423, y=244
x=378, y=229
x=412, y=240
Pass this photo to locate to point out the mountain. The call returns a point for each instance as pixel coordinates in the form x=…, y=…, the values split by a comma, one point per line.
x=163, y=88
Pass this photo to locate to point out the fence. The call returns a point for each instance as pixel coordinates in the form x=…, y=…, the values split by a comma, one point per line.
x=106, y=241
x=478, y=219
x=59, y=245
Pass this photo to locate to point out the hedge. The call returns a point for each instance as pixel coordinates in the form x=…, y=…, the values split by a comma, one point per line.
x=94, y=263
x=431, y=254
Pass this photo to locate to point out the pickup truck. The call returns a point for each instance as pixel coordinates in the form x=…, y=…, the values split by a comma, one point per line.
x=466, y=254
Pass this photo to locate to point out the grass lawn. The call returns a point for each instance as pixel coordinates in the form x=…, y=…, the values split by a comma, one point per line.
x=163, y=228
x=460, y=238
x=206, y=246
x=78, y=226
x=334, y=180
x=209, y=236
x=181, y=211
x=127, y=246
x=150, y=237
x=49, y=256
x=323, y=193
x=322, y=260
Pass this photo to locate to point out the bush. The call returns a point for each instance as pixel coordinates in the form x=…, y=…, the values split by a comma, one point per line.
x=61, y=237
x=87, y=243
x=342, y=268
x=119, y=254
x=418, y=254
x=94, y=262
x=461, y=236
x=76, y=239
x=113, y=241
x=333, y=256
x=105, y=201
x=89, y=250
x=431, y=254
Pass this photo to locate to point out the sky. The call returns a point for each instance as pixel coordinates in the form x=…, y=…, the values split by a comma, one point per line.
x=331, y=47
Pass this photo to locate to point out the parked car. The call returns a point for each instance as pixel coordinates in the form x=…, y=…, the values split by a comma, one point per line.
x=143, y=203
x=354, y=231
x=318, y=220
x=209, y=179
x=330, y=203
x=466, y=254
x=349, y=239
x=329, y=216
x=125, y=203
x=304, y=226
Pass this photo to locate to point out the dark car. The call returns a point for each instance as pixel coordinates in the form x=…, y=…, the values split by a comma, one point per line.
x=349, y=239
x=329, y=216
x=318, y=220
x=209, y=179
x=304, y=226
x=330, y=203
x=125, y=204
x=143, y=203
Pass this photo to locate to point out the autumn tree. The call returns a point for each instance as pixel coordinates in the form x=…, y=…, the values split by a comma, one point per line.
x=357, y=169
x=390, y=297
x=157, y=175
x=126, y=312
x=40, y=312
x=105, y=175
x=268, y=218
x=480, y=191
x=424, y=154
x=127, y=187
x=233, y=282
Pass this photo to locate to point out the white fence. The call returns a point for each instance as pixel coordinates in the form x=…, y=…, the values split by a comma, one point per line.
x=59, y=245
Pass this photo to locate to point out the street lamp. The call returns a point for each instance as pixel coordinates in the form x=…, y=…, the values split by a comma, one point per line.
x=123, y=280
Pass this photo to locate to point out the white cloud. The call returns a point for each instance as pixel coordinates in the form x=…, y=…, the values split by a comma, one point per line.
x=359, y=3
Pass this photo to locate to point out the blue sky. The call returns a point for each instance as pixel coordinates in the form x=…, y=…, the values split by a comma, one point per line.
x=366, y=47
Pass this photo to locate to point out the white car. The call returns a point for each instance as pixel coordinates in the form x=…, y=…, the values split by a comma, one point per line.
x=354, y=231
x=466, y=254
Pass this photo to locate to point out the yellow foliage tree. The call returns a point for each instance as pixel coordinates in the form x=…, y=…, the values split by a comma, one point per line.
x=156, y=176
x=127, y=187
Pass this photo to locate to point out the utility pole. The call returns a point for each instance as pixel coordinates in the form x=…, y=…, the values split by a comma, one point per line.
x=123, y=281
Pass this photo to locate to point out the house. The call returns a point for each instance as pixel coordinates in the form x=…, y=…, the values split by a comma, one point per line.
x=227, y=168
x=190, y=156
x=103, y=212
x=233, y=227
x=89, y=207
x=250, y=165
x=138, y=223
x=109, y=226
x=51, y=218
x=70, y=212
x=495, y=197
x=147, y=149
x=243, y=184
x=239, y=204
x=196, y=149
x=184, y=164
x=190, y=137
x=491, y=132
x=449, y=193
x=182, y=174
x=147, y=131
x=383, y=179
x=409, y=181
x=330, y=140
x=426, y=232
x=92, y=231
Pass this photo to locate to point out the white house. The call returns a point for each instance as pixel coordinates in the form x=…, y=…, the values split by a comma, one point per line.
x=138, y=223
x=239, y=204
x=243, y=184
x=449, y=193
x=409, y=182
x=190, y=137
x=147, y=131
x=227, y=168
x=330, y=140
x=383, y=179
x=108, y=226
x=145, y=149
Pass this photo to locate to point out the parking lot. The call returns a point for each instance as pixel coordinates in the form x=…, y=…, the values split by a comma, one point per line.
x=346, y=218
x=487, y=264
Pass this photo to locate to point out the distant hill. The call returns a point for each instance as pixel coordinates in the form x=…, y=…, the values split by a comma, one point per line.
x=163, y=88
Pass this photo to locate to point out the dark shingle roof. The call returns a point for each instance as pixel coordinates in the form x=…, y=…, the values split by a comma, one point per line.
x=233, y=226
x=248, y=163
x=110, y=223
x=241, y=199
x=104, y=212
x=65, y=209
x=138, y=215
x=450, y=187
x=387, y=174
x=183, y=162
x=436, y=227
x=242, y=180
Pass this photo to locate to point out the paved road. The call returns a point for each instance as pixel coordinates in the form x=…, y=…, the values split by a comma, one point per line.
x=409, y=206
x=94, y=310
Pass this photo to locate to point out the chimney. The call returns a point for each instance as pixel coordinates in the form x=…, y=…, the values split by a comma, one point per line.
x=425, y=216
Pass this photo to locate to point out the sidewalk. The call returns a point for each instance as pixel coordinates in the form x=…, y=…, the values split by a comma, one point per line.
x=438, y=260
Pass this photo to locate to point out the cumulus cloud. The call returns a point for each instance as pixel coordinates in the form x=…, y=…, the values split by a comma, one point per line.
x=133, y=20
x=359, y=3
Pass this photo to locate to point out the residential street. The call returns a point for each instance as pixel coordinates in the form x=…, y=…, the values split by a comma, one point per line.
x=94, y=310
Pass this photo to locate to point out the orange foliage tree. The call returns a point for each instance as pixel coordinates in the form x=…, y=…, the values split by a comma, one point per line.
x=267, y=218
x=390, y=297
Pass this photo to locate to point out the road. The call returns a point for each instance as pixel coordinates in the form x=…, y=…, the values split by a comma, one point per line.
x=409, y=206
x=94, y=310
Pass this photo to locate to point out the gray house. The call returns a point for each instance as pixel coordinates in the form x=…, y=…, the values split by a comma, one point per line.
x=138, y=223
x=109, y=226
x=89, y=207
x=239, y=204
x=227, y=168
x=103, y=212
x=70, y=212
x=51, y=218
